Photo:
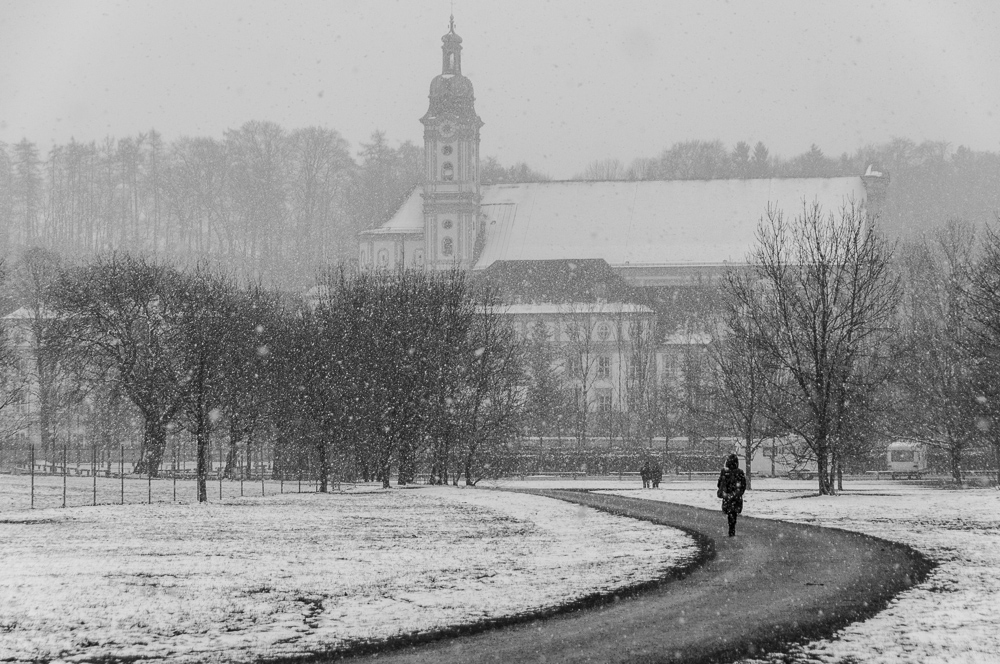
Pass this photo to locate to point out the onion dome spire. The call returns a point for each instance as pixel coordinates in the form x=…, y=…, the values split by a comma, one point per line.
x=451, y=50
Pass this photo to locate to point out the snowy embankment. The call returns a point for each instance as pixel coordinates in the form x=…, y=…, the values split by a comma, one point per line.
x=293, y=574
x=951, y=617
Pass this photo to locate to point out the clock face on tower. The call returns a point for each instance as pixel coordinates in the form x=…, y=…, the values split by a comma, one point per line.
x=447, y=130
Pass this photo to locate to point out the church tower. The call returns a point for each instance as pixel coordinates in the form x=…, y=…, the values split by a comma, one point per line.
x=451, y=165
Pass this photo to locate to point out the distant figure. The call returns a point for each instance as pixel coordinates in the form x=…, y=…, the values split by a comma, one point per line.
x=656, y=474
x=646, y=474
x=732, y=483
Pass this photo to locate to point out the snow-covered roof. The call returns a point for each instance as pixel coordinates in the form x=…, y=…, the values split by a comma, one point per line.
x=905, y=445
x=677, y=222
x=654, y=223
x=409, y=218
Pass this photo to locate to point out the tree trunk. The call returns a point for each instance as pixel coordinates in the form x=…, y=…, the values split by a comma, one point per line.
x=996, y=458
x=385, y=462
x=203, y=450
x=154, y=442
x=46, y=433
x=232, y=454
x=834, y=465
x=955, y=456
x=748, y=459
x=468, y=471
x=231, y=469
x=823, y=469
x=324, y=465
x=202, y=445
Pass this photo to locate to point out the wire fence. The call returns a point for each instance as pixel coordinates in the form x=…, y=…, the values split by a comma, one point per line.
x=30, y=481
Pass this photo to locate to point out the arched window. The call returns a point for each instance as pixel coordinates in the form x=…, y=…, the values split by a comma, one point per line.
x=383, y=257
x=447, y=172
x=418, y=257
x=448, y=246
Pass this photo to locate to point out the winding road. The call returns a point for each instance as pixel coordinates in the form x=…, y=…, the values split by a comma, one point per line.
x=773, y=584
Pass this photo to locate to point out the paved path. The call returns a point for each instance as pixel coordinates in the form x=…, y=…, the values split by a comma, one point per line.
x=772, y=584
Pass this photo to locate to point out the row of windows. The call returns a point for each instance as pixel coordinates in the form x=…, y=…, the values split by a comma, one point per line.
x=574, y=365
x=576, y=331
x=382, y=258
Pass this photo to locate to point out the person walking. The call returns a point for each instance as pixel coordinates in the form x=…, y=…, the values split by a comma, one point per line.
x=644, y=473
x=732, y=484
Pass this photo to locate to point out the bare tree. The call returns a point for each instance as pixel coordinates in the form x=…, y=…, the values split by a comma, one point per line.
x=984, y=340
x=578, y=323
x=490, y=401
x=746, y=374
x=935, y=374
x=13, y=380
x=603, y=170
x=200, y=313
x=27, y=193
x=118, y=325
x=643, y=168
x=819, y=301
x=695, y=160
x=545, y=388
x=635, y=337
x=52, y=370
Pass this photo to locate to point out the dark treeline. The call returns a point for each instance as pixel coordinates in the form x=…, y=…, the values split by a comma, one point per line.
x=406, y=373
x=262, y=201
x=930, y=181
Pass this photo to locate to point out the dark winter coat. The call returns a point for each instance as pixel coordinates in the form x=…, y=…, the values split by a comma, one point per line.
x=732, y=484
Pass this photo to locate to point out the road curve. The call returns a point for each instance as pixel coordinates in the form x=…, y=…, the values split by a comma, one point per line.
x=775, y=583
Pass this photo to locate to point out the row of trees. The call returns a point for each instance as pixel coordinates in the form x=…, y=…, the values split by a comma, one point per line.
x=375, y=373
x=836, y=338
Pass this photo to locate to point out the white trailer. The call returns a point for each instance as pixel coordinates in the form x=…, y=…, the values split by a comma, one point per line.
x=907, y=459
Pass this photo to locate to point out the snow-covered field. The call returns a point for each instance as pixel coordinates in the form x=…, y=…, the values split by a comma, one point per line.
x=952, y=617
x=252, y=578
x=296, y=573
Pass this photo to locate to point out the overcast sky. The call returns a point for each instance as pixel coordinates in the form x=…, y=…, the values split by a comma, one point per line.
x=558, y=84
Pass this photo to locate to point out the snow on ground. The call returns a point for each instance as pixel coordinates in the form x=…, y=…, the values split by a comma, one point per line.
x=290, y=574
x=951, y=617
